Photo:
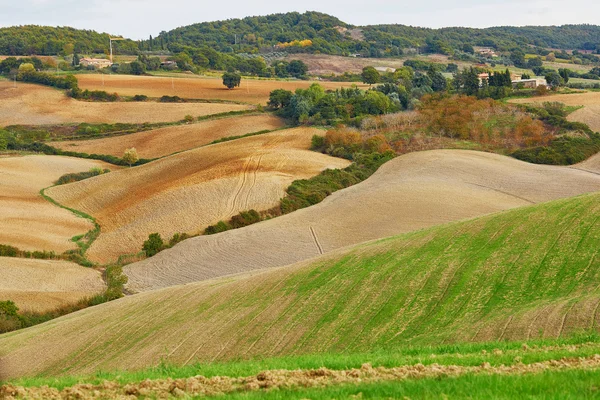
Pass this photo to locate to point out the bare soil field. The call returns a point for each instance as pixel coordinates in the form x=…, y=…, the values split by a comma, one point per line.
x=592, y=164
x=253, y=91
x=589, y=114
x=411, y=192
x=172, y=139
x=30, y=104
x=323, y=64
x=188, y=191
x=43, y=285
x=27, y=220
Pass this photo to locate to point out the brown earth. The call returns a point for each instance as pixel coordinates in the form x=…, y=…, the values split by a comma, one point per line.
x=273, y=380
x=252, y=91
x=44, y=285
x=30, y=104
x=411, y=192
x=188, y=191
x=592, y=164
x=27, y=220
x=589, y=114
x=172, y=139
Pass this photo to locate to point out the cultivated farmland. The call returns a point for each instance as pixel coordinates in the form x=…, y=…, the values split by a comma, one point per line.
x=591, y=164
x=251, y=91
x=172, y=139
x=188, y=191
x=488, y=279
x=27, y=220
x=589, y=114
x=411, y=192
x=43, y=285
x=30, y=104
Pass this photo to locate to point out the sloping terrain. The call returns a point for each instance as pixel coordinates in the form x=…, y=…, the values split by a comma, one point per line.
x=43, y=285
x=252, y=91
x=30, y=104
x=27, y=220
x=411, y=192
x=171, y=139
x=592, y=164
x=589, y=114
x=518, y=275
x=188, y=191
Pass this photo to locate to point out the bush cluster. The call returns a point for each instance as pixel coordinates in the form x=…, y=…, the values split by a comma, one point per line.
x=79, y=176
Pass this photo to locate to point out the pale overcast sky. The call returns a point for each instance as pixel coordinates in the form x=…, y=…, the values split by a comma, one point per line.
x=137, y=19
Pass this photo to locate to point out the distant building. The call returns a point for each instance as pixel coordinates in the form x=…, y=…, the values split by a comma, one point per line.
x=529, y=83
x=168, y=64
x=96, y=62
x=486, y=52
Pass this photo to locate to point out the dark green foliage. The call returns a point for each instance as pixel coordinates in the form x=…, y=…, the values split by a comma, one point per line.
x=231, y=80
x=219, y=227
x=317, y=143
x=279, y=98
x=78, y=176
x=245, y=218
x=153, y=245
x=370, y=75
x=8, y=251
x=137, y=68
x=140, y=97
x=61, y=82
x=562, y=151
x=171, y=99
x=45, y=40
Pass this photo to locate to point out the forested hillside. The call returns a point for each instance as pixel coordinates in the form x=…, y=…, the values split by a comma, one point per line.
x=46, y=40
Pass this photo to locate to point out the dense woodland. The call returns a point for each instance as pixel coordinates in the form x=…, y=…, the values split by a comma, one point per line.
x=309, y=32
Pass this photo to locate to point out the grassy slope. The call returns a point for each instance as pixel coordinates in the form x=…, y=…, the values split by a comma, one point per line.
x=526, y=273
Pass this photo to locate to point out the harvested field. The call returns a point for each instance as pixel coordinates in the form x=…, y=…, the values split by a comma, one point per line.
x=592, y=164
x=27, y=220
x=525, y=274
x=411, y=192
x=30, y=104
x=251, y=91
x=589, y=114
x=188, y=191
x=43, y=285
x=172, y=139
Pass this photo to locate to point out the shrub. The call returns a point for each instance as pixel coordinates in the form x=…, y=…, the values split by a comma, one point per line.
x=140, y=97
x=220, y=226
x=74, y=177
x=170, y=99
x=153, y=245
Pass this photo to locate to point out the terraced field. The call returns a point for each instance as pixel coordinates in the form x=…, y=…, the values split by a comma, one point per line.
x=172, y=139
x=188, y=191
x=27, y=220
x=30, y=104
x=251, y=91
x=43, y=285
x=411, y=192
x=589, y=114
x=518, y=275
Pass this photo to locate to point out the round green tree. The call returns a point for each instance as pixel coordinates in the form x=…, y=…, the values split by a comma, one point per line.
x=231, y=80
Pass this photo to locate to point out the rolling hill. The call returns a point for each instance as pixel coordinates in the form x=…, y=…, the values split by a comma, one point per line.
x=164, y=141
x=188, y=191
x=27, y=220
x=518, y=275
x=411, y=192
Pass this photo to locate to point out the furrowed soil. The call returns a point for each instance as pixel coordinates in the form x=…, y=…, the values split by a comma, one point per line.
x=592, y=164
x=30, y=104
x=523, y=274
x=164, y=141
x=589, y=114
x=44, y=285
x=411, y=192
x=27, y=220
x=276, y=380
x=188, y=191
x=251, y=91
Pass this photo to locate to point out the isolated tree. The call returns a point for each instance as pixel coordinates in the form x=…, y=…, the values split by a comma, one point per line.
x=76, y=59
x=564, y=74
x=138, y=68
x=231, y=80
x=370, y=75
x=553, y=79
x=153, y=245
x=130, y=156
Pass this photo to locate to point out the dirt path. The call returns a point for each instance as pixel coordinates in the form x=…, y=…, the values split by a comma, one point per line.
x=270, y=380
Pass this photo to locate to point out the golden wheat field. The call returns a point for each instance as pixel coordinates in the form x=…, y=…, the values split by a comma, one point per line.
x=188, y=191
x=27, y=220
x=30, y=104
x=589, y=114
x=411, y=192
x=172, y=139
x=43, y=285
x=251, y=91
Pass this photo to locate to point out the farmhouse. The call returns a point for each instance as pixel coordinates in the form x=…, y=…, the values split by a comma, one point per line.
x=529, y=83
x=168, y=64
x=96, y=62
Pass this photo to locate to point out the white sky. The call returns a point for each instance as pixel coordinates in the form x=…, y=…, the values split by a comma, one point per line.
x=137, y=19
